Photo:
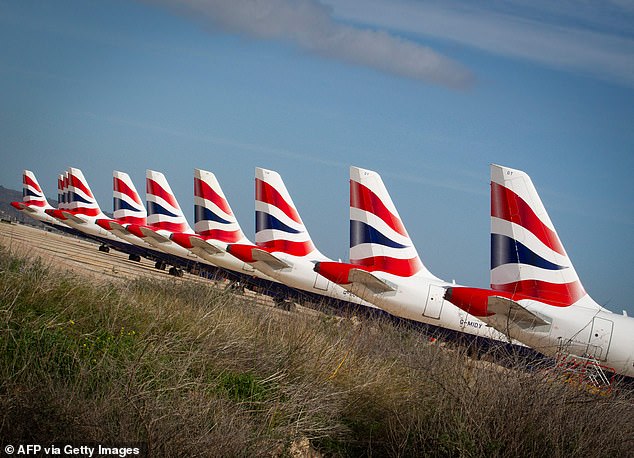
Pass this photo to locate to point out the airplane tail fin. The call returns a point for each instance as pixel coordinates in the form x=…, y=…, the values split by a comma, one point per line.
x=127, y=204
x=80, y=199
x=378, y=238
x=527, y=256
x=66, y=191
x=61, y=193
x=278, y=226
x=32, y=194
x=163, y=209
x=213, y=217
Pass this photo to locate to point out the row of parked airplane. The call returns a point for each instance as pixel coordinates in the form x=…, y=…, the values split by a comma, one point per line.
x=536, y=298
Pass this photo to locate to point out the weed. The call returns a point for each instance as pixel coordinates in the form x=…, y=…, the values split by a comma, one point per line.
x=189, y=369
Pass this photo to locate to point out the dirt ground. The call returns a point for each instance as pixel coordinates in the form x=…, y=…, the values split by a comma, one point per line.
x=79, y=255
x=84, y=258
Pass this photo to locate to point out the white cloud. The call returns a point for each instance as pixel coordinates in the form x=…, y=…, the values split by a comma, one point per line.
x=576, y=36
x=309, y=25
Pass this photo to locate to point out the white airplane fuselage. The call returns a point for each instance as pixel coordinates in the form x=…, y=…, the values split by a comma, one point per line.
x=421, y=299
x=163, y=243
x=216, y=254
x=121, y=233
x=38, y=214
x=300, y=275
x=87, y=225
x=587, y=332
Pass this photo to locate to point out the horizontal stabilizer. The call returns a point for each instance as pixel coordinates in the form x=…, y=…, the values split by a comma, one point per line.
x=149, y=233
x=207, y=246
x=75, y=219
x=367, y=279
x=514, y=312
x=116, y=227
x=266, y=257
x=251, y=253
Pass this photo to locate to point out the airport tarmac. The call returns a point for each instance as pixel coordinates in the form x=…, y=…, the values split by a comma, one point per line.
x=84, y=258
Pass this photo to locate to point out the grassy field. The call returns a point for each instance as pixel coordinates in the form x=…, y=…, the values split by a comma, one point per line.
x=190, y=370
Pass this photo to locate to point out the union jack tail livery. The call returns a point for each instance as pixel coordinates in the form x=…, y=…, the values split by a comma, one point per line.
x=32, y=194
x=61, y=195
x=278, y=226
x=80, y=199
x=378, y=238
x=527, y=257
x=213, y=218
x=127, y=205
x=62, y=198
x=65, y=191
x=33, y=199
x=163, y=209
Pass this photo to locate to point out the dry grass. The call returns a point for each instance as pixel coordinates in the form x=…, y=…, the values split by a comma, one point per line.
x=193, y=371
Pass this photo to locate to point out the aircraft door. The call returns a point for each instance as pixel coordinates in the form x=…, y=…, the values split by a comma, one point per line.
x=433, y=306
x=600, y=338
x=321, y=282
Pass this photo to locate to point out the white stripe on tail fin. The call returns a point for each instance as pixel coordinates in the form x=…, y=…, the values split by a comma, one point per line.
x=126, y=202
x=378, y=238
x=213, y=217
x=527, y=256
x=278, y=226
x=162, y=207
x=81, y=200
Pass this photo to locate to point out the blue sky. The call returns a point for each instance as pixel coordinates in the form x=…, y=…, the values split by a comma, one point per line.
x=428, y=94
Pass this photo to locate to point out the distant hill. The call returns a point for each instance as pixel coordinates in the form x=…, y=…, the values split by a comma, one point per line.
x=8, y=212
